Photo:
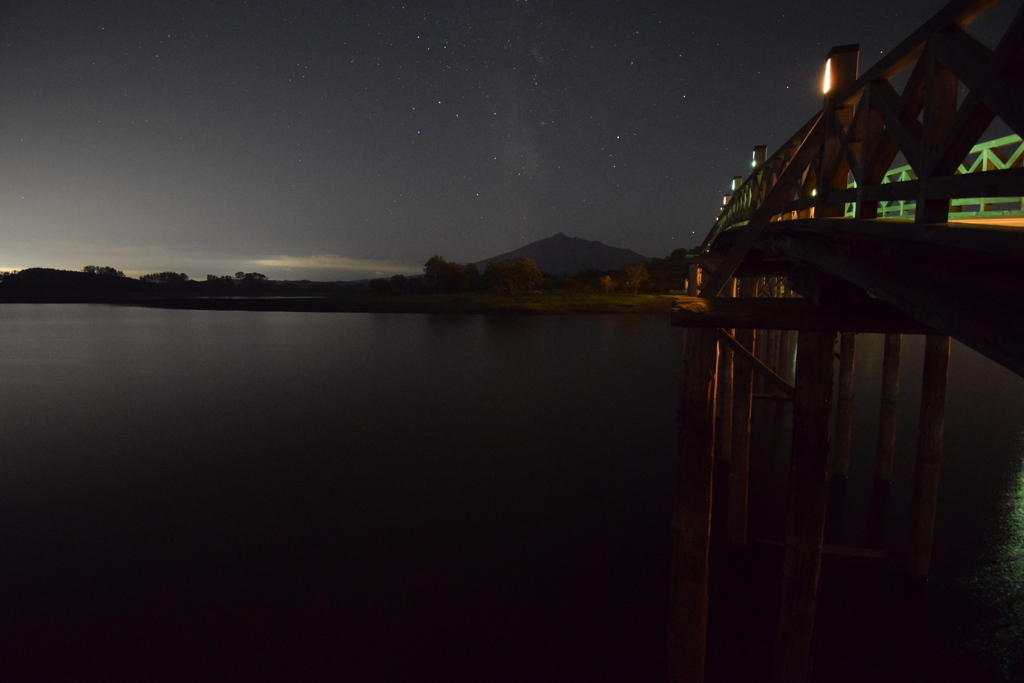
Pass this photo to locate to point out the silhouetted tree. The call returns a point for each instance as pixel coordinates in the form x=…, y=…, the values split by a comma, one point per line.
x=671, y=272
x=103, y=270
x=166, y=278
x=513, y=275
x=400, y=284
x=446, y=276
x=218, y=284
x=252, y=282
x=633, y=277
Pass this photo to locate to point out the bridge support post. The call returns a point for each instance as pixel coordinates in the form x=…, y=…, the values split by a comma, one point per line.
x=693, y=278
x=841, y=70
x=691, y=518
x=742, y=408
x=723, y=405
x=940, y=109
x=805, y=520
x=844, y=408
x=774, y=337
x=887, y=413
x=929, y=452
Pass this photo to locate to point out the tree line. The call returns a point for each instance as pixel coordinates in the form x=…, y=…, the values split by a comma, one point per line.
x=104, y=283
x=517, y=275
x=510, y=276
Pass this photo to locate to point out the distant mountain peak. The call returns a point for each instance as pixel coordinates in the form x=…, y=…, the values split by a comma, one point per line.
x=561, y=254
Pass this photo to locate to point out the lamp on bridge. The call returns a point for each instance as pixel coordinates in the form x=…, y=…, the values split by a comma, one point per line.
x=834, y=169
x=840, y=69
x=760, y=155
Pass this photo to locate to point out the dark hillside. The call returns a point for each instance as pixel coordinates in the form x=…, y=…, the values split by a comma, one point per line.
x=563, y=255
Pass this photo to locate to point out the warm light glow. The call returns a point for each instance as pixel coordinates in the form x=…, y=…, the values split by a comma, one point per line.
x=828, y=75
x=334, y=262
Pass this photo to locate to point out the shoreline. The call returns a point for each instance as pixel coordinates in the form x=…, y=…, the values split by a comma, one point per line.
x=457, y=304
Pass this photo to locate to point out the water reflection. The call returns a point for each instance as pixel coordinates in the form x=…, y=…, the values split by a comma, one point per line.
x=1001, y=583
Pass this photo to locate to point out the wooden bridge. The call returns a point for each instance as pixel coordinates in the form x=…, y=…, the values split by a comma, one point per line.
x=891, y=211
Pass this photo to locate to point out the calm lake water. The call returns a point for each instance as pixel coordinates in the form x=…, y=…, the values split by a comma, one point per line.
x=192, y=495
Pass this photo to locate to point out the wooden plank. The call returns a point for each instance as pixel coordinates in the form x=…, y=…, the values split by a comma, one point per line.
x=976, y=240
x=973, y=117
x=958, y=13
x=1006, y=182
x=885, y=147
x=871, y=136
x=982, y=313
x=939, y=116
x=906, y=130
x=743, y=356
x=972, y=63
x=791, y=314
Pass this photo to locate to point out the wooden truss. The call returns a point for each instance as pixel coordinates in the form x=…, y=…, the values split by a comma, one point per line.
x=840, y=162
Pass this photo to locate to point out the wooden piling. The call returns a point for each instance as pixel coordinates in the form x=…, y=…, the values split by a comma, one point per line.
x=844, y=407
x=692, y=277
x=760, y=349
x=807, y=500
x=723, y=406
x=742, y=404
x=876, y=529
x=889, y=404
x=691, y=519
x=723, y=413
x=787, y=355
x=773, y=342
x=929, y=452
x=773, y=353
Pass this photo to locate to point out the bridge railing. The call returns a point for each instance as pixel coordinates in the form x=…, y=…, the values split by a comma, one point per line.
x=866, y=125
x=747, y=197
x=999, y=154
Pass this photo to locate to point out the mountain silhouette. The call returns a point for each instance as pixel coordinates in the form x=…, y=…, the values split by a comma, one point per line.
x=563, y=255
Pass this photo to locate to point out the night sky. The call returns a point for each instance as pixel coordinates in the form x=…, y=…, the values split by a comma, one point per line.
x=344, y=140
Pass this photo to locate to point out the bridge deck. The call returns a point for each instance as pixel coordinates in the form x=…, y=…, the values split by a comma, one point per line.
x=961, y=280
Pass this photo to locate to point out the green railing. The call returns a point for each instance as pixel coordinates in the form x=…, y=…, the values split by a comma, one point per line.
x=1001, y=153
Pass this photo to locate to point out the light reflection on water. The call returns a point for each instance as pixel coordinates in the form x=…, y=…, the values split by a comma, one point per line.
x=1000, y=584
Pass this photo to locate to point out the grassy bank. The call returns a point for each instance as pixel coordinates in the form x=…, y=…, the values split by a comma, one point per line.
x=474, y=302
